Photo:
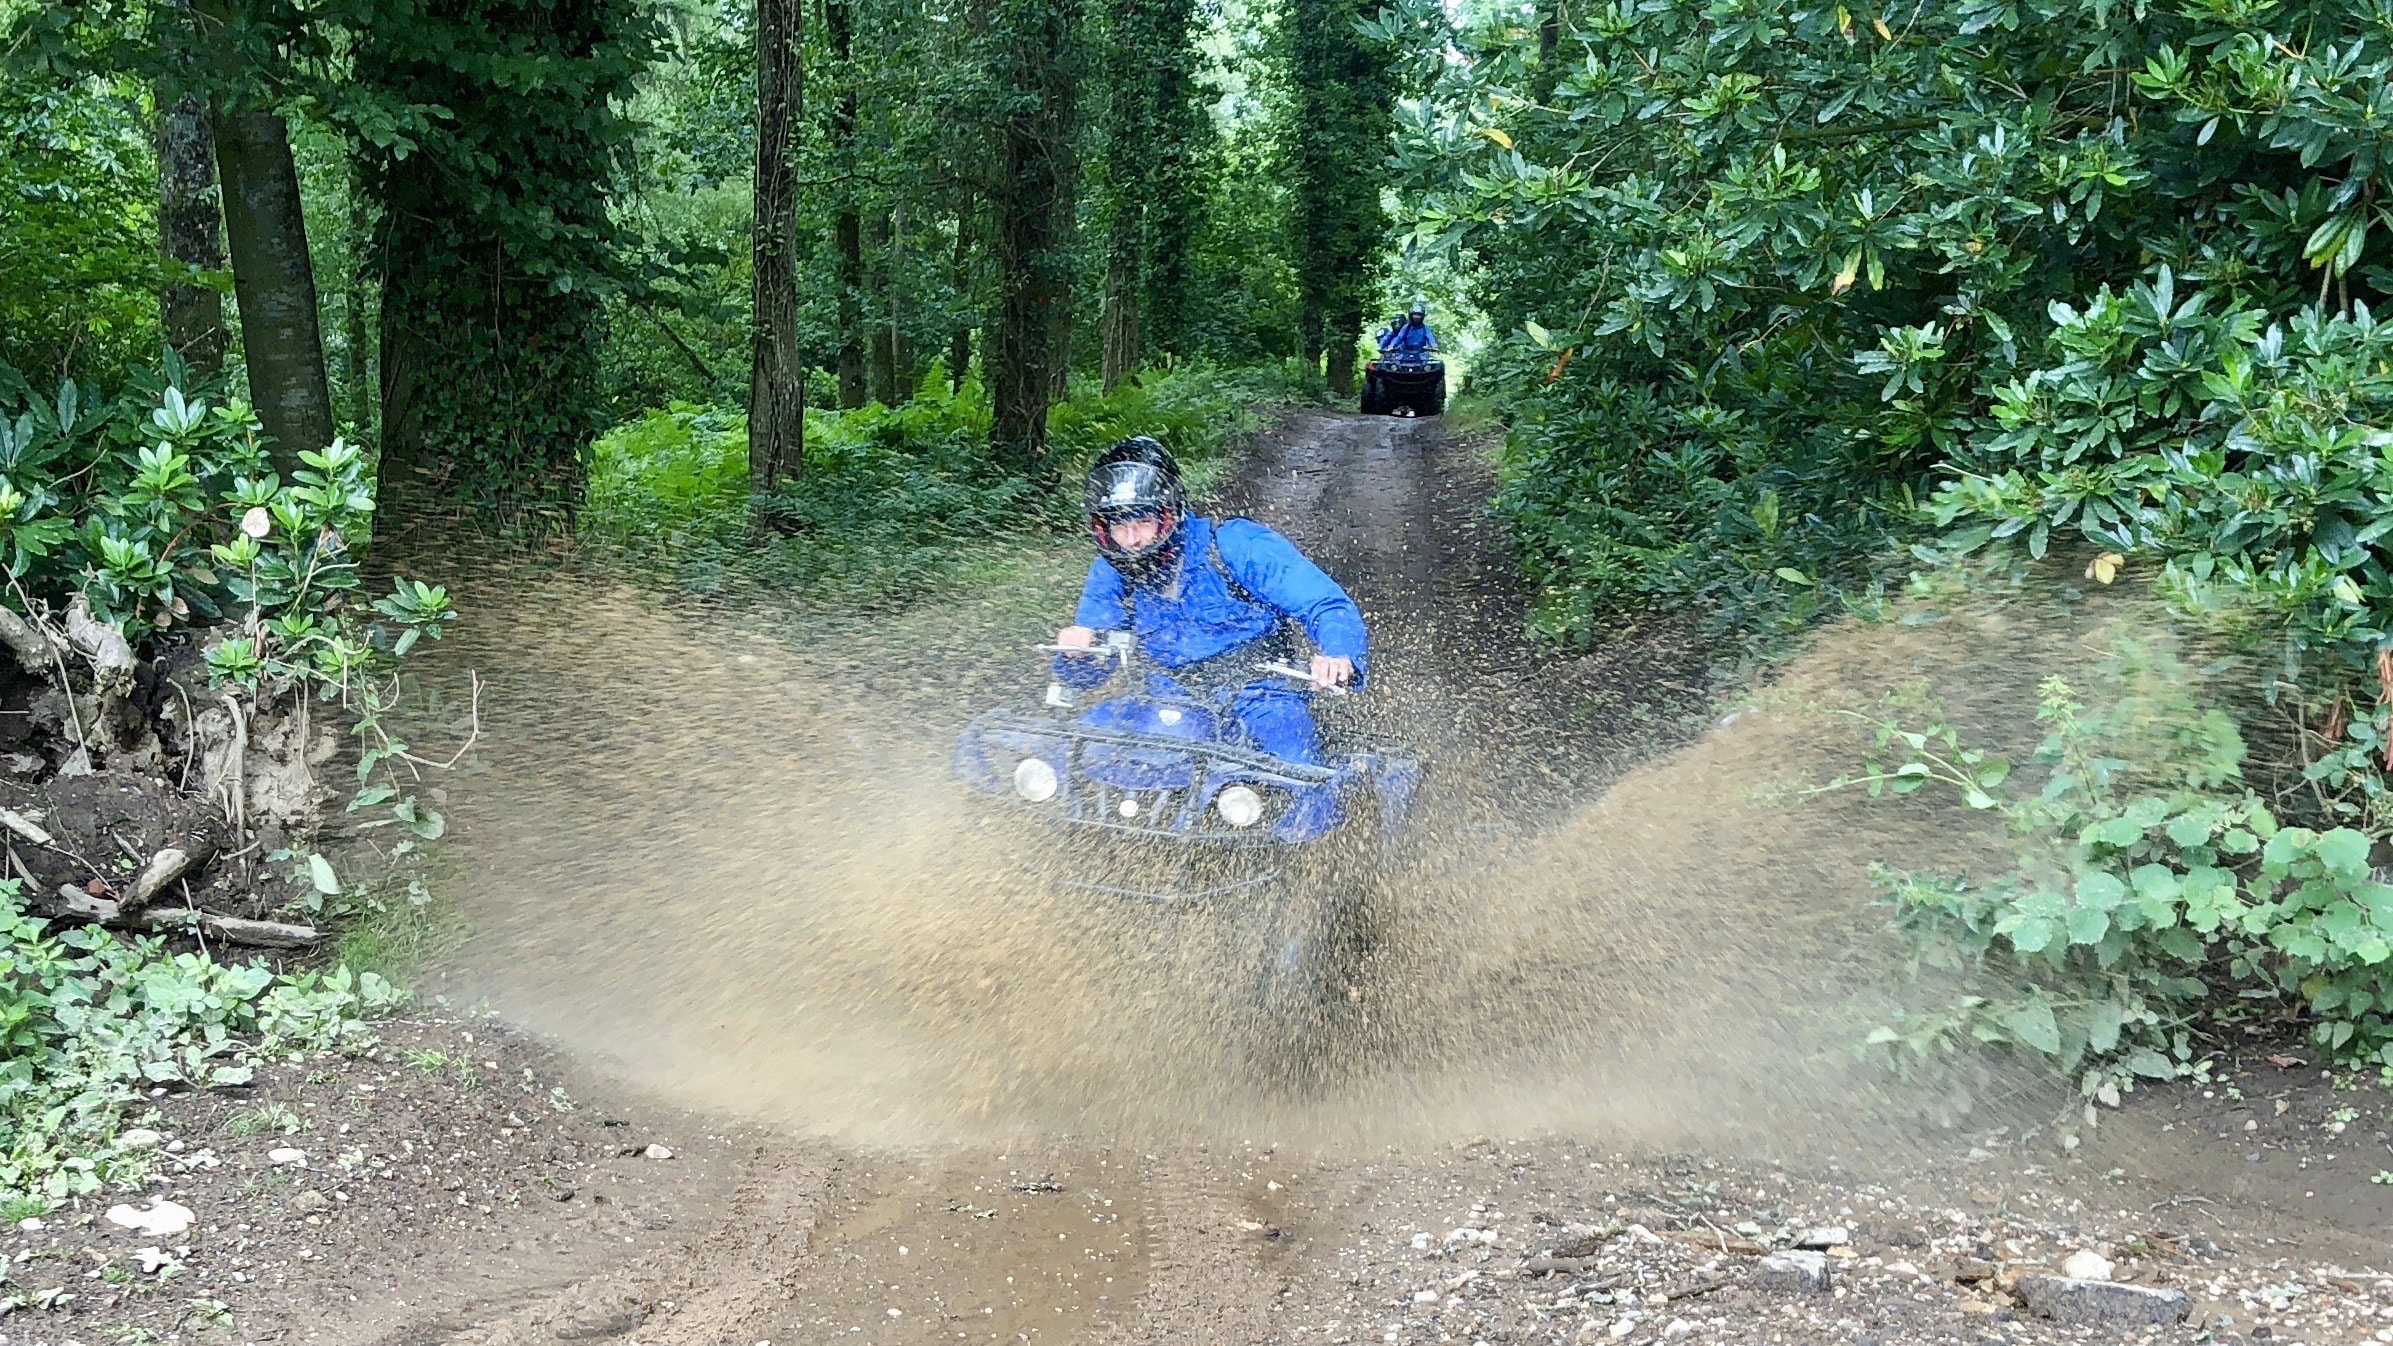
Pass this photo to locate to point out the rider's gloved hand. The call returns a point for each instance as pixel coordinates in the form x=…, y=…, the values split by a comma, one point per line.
x=1078, y=670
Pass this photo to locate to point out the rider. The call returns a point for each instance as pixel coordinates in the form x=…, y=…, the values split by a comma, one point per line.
x=1412, y=334
x=1208, y=602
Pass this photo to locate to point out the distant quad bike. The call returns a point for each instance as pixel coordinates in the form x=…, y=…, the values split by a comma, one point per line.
x=1404, y=383
x=1157, y=797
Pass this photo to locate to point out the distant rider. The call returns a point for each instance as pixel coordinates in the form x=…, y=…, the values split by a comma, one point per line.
x=1208, y=602
x=1410, y=336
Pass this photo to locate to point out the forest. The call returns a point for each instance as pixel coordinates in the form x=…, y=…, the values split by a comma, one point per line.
x=1776, y=312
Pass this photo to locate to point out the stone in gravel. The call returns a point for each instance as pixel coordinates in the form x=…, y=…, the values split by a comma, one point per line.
x=2086, y=1265
x=1582, y=1245
x=32, y=1225
x=152, y=1259
x=1969, y=1270
x=139, y=1138
x=310, y=1201
x=286, y=1155
x=1826, y=1236
x=657, y=1152
x=163, y=1220
x=1801, y=1272
x=2080, y=1301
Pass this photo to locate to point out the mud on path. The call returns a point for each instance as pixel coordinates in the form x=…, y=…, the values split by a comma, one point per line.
x=914, y=1097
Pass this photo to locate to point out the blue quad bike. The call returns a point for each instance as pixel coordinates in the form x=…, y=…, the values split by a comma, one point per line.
x=1160, y=798
x=1404, y=383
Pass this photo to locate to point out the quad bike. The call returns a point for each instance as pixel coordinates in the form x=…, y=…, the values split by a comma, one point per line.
x=1156, y=795
x=1404, y=383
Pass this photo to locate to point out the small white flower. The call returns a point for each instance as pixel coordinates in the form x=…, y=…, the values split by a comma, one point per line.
x=257, y=523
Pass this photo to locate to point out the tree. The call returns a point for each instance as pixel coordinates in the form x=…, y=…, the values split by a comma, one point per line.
x=1151, y=128
x=1343, y=86
x=190, y=218
x=777, y=367
x=847, y=222
x=1033, y=72
x=496, y=238
x=274, y=281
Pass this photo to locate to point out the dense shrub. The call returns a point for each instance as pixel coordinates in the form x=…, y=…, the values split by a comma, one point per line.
x=1768, y=274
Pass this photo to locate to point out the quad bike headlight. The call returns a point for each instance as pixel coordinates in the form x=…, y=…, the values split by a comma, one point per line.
x=1239, y=806
x=1034, y=779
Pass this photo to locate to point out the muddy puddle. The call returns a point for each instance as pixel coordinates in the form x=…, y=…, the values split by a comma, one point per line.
x=737, y=872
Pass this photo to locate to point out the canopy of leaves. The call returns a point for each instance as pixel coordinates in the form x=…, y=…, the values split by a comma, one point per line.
x=1772, y=269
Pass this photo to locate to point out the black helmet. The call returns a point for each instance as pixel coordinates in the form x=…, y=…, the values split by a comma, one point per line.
x=1135, y=479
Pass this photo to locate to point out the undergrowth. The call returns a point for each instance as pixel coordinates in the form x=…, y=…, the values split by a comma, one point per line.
x=2157, y=900
x=893, y=504
x=90, y=1022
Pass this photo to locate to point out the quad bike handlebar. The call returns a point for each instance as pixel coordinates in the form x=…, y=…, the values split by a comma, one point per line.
x=1117, y=645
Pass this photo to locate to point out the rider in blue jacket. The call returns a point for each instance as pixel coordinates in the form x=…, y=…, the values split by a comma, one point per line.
x=1412, y=334
x=1208, y=602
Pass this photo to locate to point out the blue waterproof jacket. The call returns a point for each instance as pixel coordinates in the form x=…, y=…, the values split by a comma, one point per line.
x=1410, y=338
x=1193, y=615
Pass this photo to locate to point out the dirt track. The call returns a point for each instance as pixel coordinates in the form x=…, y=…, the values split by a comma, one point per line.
x=910, y=1101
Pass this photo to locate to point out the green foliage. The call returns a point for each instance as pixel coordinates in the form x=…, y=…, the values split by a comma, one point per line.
x=1787, y=248
x=491, y=133
x=893, y=504
x=161, y=512
x=2152, y=887
x=89, y=1023
x=2246, y=456
x=1342, y=86
x=79, y=265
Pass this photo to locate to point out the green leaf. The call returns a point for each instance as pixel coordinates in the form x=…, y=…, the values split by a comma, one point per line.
x=2033, y=1024
x=319, y=872
x=2087, y=925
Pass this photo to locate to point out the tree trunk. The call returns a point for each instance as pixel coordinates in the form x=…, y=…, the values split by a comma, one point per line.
x=274, y=283
x=357, y=370
x=1121, y=334
x=880, y=347
x=959, y=342
x=847, y=224
x=1549, y=50
x=1342, y=330
x=1067, y=219
x=902, y=359
x=190, y=233
x=1024, y=360
x=776, y=368
x=1340, y=111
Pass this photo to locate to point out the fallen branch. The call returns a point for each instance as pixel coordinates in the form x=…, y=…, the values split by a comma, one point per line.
x=185, y=856
x=74, y=903
x=110, y=654
x=32, y=646
x=232, y=929
x=24, y=827
x=1538, y=1266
